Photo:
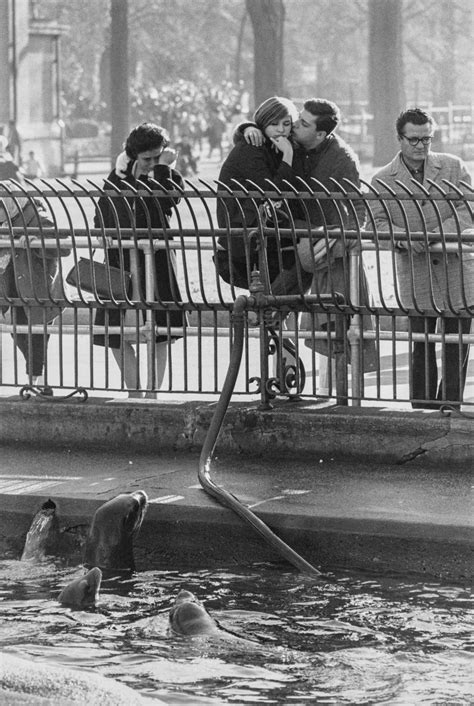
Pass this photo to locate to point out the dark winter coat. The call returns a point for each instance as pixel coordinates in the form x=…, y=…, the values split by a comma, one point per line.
x=32, y=274
x=245, y=164
x=148, y=212
x=331, y=161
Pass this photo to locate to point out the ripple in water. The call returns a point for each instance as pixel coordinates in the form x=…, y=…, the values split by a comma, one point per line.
x=342, y=640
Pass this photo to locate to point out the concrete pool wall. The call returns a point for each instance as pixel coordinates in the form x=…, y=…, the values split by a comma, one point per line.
x=301, y=428
x=355, y=488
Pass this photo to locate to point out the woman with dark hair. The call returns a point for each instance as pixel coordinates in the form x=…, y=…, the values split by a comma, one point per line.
x=147, y=157
x=262, y=166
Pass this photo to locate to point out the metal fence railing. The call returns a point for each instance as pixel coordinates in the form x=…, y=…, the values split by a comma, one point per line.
x=374, y=304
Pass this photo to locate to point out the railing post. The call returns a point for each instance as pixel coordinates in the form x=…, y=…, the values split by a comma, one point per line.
x=149, y=317
x=264, y=366
x=340, y=359
x=134, y=270
x=355, y=333
x=257, y=288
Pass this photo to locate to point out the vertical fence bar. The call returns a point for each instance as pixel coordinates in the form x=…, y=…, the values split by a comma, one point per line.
x=355, y=332
x=149, y=317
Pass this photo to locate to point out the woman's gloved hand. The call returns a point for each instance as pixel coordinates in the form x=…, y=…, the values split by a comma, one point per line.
x=168, y=156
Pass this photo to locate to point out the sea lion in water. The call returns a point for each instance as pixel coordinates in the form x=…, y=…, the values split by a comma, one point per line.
x=27, y=682
x=82, y=592
x=109, y=543
x=43, y=536
x=189, y=617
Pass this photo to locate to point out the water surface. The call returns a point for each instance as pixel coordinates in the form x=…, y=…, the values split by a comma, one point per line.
x=348, y=639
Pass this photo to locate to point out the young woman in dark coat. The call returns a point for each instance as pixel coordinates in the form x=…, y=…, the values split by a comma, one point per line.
x=146, y=158
x=262, y=166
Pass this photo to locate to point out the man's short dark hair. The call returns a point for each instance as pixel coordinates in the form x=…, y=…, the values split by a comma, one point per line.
x=416, y=116
x=327, y=113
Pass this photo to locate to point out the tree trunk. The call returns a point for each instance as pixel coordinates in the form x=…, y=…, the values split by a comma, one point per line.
x=238, y=53
x=267, y=17
x=385, y=75
x=447, y=75
x=119, y=82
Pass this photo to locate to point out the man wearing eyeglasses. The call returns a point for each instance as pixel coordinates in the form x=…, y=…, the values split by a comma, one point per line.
x=429, y=277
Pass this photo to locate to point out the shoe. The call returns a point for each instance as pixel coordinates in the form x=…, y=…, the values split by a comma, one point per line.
x=46, y=391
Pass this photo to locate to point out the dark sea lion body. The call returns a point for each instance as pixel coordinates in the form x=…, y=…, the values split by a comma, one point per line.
x=82, y=592
x=109, y=543
x=43, y=536
x=189, y=617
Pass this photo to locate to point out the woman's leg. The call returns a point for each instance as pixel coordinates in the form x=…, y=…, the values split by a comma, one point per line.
x=161, y=359
x=33, y=347
x=456, y=358
x=424, y=371
x=127, y=362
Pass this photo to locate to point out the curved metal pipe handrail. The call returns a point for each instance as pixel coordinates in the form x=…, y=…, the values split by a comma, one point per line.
x=218, y=492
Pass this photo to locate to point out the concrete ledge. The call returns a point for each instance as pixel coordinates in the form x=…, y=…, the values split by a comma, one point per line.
x=191, y=536
x=408, y=518
x=290, y=428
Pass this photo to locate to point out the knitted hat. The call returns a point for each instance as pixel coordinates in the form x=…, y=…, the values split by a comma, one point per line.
x=274, y=108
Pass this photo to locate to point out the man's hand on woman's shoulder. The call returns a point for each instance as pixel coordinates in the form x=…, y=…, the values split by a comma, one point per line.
x=254, y=136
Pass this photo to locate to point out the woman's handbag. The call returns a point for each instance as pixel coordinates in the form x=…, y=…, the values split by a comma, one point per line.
x=100, y=279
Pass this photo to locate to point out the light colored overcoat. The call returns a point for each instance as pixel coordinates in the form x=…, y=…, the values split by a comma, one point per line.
x=432, y=280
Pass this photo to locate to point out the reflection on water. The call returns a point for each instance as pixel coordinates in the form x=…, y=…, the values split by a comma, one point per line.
x=344, y=640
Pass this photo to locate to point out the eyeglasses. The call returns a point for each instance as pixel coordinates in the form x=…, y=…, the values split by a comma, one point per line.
x=413, y=141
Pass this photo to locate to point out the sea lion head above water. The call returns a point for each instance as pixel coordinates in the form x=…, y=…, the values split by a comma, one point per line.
x=82, y=592
x=109, y=543
x=189, y=617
